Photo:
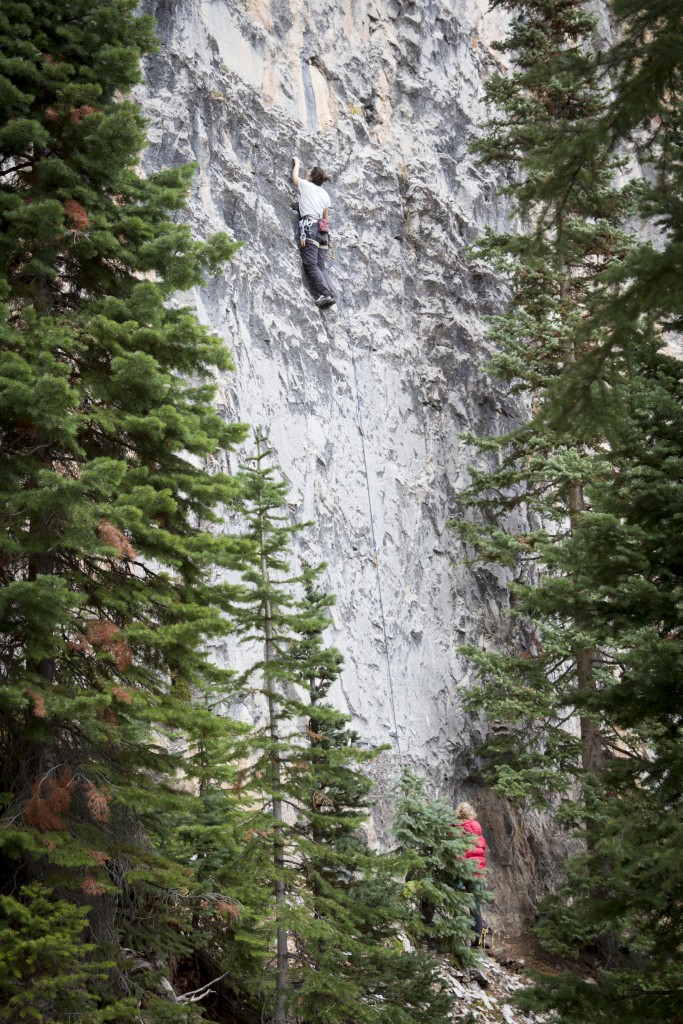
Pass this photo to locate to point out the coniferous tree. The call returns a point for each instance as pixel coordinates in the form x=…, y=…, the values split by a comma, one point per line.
x=229, y=938
x=106, y=599
x=441, y=886
x=626, y=557
x=641, y=76
x=338, y=956
x=356, y=891
x=267, y=616
x=605, y=581
x=45, y=967
x=533, y=498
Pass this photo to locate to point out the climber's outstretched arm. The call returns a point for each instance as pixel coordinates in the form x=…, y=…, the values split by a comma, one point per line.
x=295, y=171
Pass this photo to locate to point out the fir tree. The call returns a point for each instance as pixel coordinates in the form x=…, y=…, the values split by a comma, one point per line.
x=356, y=892
x=441, y=887
x=602, y=575
x=230, y=903
x=533, y=498
x=46, y=970
x=107, y=600
x=338, y=957
x=627, y=557
x=267, y=616
x=641, y=76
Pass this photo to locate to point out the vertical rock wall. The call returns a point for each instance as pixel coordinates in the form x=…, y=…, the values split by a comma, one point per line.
x=362, y=402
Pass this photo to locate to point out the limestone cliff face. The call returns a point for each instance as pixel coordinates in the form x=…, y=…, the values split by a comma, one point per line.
x=362, y=403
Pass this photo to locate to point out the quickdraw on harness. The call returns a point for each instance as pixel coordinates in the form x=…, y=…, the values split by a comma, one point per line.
x=304, y=224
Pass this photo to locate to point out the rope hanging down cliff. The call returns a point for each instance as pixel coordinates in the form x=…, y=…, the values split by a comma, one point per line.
x=375, y=553
x=315, y=246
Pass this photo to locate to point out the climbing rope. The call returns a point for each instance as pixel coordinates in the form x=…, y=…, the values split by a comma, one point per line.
x=375, y=553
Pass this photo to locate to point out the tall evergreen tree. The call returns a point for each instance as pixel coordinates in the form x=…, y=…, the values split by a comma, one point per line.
x=229, y=945
x=355, y=890
x=268, y=617
x=441, y=886
x=600, y=576
x=532, y=499
x=641, y=76
x=627, y=561
x=338, y=957
x=106, y=597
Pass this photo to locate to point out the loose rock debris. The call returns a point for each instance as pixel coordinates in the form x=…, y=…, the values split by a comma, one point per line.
x=483, y=993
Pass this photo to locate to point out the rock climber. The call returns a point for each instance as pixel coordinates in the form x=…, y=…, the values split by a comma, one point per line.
x=467, y=820
x=314, y=231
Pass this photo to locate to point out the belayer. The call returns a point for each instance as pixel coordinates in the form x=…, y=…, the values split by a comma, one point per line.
x=314, y=230
x=467, y=822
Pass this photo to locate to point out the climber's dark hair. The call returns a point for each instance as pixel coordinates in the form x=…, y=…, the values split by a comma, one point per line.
x=318, y=176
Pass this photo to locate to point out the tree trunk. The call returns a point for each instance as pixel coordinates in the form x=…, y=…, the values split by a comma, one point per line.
x=317, y=833
x=281, y=954
x=36, y=756
x=591, y=746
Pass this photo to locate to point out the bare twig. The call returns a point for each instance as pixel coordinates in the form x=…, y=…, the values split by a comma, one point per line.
x=201, y=992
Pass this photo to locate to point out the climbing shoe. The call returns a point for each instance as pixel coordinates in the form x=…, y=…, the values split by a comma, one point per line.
x=324, y=300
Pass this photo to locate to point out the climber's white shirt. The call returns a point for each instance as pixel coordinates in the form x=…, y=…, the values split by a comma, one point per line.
x=313, y=199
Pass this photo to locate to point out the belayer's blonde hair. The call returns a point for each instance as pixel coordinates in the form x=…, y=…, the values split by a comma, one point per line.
x=465, y=811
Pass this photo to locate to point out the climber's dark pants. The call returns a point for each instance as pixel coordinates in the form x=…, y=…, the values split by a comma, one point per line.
x=315, y=264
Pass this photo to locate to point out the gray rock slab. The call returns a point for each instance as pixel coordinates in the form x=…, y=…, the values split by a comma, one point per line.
x=363, y=403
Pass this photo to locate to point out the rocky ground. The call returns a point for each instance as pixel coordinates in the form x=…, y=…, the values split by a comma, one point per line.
x=484, y=995
x=485, y=992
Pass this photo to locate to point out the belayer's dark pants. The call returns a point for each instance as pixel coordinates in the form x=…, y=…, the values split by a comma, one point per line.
x=315, y=264
x=477, y=924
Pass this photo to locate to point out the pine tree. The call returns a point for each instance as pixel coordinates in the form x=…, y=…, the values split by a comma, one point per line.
x=441, y=887
x=525, y=507
x=107, y=600
x=356, y=891
x=628, y=885
x=641, y=75
x=45, y=967
x=229, y=940
x=338, y=956
x=267, y=617
x=601, y=575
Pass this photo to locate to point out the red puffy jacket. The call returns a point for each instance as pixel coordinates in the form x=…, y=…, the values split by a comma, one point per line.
x=478, y=851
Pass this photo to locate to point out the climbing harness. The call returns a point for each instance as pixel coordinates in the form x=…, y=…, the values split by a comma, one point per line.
x=305, y=225
x=375, y=554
